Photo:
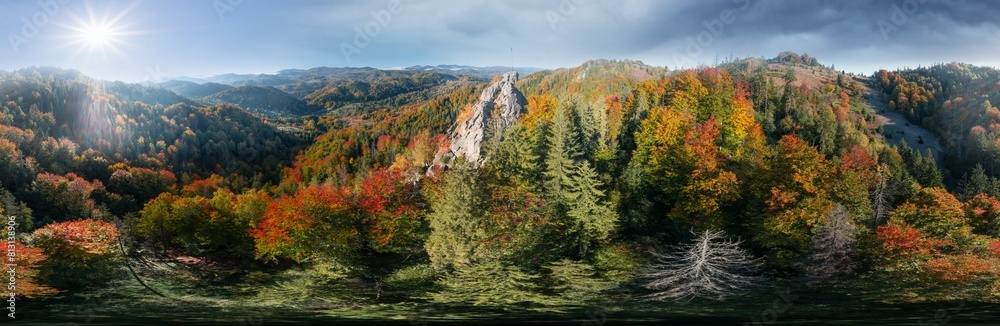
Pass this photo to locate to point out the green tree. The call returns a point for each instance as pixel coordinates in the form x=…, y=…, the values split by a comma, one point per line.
x=517, y=156
x=979, y=183
x=560, y=160
x=593, y=219
x=455, y=208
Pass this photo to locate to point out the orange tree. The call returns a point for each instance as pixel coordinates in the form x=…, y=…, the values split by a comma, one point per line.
x=379, y=215
x=81, y=253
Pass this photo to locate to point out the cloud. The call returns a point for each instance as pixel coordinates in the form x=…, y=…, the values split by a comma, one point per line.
x=262, y=36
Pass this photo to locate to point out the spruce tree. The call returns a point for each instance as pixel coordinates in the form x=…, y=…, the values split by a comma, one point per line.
x=593, y=219
x=455, y=211
x=560, y=161
x=516, y=156
x=979, y=183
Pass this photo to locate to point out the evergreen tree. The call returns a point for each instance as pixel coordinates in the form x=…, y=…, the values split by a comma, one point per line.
x=516, y=156
x=926, y=172
x=979, y=183
x=593, y=219
x=455, y=210
x=560, y=161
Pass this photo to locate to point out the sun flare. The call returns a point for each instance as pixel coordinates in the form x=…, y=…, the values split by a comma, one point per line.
x=97, y=36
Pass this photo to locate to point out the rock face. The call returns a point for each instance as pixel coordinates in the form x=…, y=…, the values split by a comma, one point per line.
x=499, y=106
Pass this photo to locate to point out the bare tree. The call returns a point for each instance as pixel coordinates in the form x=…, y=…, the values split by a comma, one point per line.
x=712, y=266
x=831, y=247
x=881, y=196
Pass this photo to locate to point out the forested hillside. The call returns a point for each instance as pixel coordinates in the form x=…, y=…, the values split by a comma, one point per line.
x=617, y=182
x=263, y=100
x=191, y=89
x=952, y=100
x=74, y=147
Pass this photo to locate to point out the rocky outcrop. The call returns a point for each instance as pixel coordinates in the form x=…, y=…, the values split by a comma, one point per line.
x=499, y=106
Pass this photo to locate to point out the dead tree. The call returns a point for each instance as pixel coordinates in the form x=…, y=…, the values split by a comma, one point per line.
x=881, y=196
x=711, y=266
x=831, y=247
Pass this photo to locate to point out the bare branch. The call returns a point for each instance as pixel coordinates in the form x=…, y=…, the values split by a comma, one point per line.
x=832, y=246
x=711, y=266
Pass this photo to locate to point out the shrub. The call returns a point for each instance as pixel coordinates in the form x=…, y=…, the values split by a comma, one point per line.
x=81, y=253
x=412, y=277
x=410, y=281
x=618, y=262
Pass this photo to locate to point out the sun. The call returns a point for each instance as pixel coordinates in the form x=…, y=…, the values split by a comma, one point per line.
x=97, y=36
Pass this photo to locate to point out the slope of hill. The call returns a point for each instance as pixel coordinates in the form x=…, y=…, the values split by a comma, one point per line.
x=389, y=91
x=192, y=90
x=266, y=100
x=589, y=174
x=593, y=79
x=952, y=100
x=133, y=124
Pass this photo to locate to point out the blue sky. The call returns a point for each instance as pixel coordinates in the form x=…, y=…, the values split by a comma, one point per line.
x=151, y=40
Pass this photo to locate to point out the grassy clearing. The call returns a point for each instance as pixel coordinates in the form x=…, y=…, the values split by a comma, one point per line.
x=208, y=296
x=865, y=301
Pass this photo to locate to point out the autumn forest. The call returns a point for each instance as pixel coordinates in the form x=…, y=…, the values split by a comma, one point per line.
x=613, y=191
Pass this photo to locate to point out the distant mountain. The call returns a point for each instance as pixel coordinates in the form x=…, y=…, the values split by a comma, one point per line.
x=302, y=82
x=263, y=99
x=485, y=73
x=191, y=89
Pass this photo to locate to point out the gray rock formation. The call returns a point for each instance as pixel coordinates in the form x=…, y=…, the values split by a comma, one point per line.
x=499, y=106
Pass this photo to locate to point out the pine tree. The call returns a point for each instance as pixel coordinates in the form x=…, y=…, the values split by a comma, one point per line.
x=594, y=220
x=455, y=210
x=926, y=171
x=979, y=183
x=560, y=161
x=516, y=156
